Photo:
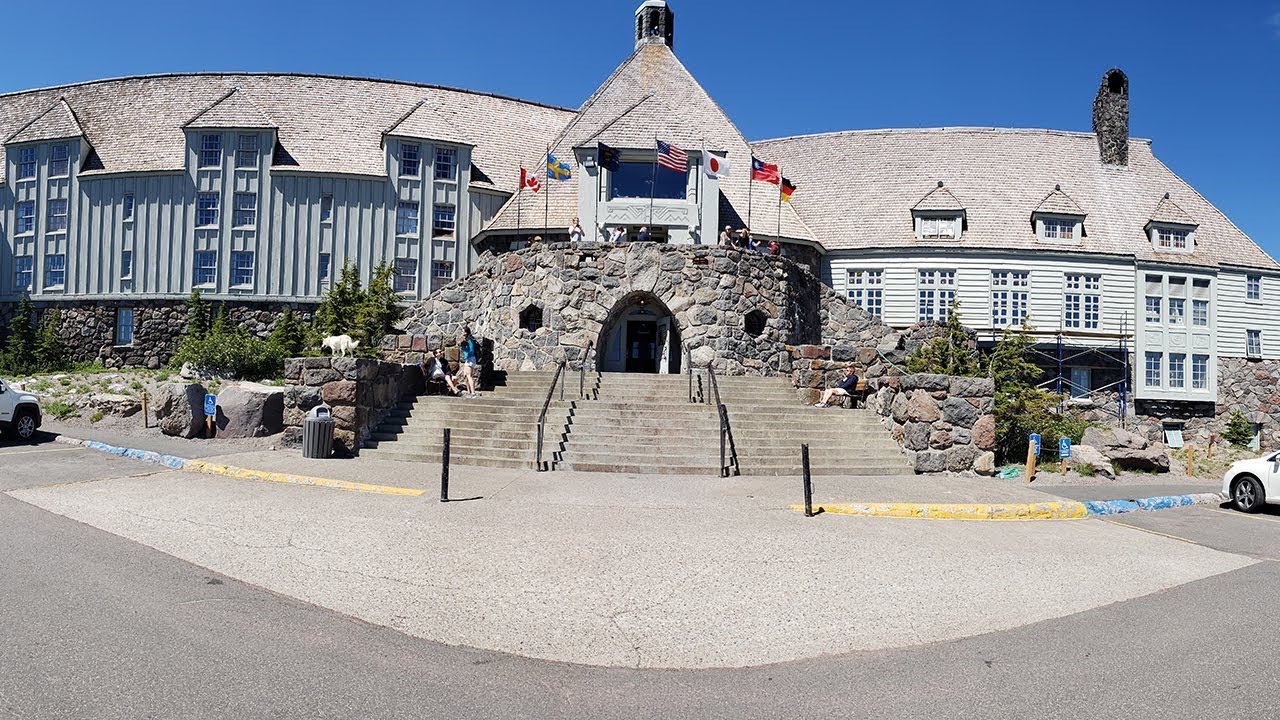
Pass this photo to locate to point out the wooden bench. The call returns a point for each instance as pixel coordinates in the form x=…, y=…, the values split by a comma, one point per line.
x=858, y=396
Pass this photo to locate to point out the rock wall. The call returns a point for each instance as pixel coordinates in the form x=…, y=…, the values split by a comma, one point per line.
x=943, y=423
x=710, y=292
x=89, y=327
x=358, y=391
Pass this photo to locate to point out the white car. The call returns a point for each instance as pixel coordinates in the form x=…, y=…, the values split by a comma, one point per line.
x=19, y=412
x=1253, y=483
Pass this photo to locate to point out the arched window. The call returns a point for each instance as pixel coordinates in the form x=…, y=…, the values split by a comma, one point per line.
x=754, y=322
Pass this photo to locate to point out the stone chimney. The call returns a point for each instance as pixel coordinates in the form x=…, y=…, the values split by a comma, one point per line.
x=1111, y=118
x=655, y=24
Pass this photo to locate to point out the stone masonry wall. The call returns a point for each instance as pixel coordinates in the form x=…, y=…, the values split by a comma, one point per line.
x=709, y=292
x=89, y=327
x=943, y=423
x=359, y=392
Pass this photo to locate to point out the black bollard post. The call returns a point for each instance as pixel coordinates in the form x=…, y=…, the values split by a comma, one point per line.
x=808, y=481
x=444, y=469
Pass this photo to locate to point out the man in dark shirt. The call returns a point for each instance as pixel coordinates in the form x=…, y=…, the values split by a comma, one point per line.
x=848, y=386
x=643, y=235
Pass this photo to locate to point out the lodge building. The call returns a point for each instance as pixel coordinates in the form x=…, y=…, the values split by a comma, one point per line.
x=119, y=197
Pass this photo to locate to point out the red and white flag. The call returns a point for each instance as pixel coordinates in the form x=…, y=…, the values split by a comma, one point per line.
x=529, y=181
x=715, y=166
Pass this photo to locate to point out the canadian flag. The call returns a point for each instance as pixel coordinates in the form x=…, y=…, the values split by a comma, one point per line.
x=715, y=166
x=529, y=181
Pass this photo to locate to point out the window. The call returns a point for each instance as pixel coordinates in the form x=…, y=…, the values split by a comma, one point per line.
x=57, y=221
x=866, y=290
x=441, y=274
x=1199, y=372
x=59, y=161
x=126, y=265
x=324, y=267
x=407, y=218
x=1059, y=229
x=207, y=209
x=446, y=164
x=410, y=159
x=936, y=291
x=247, y=151
x=126, y=212
x=1008, y=297
x=210, y=151
x=26, y=223
x=1082, y=301
x=241, y=268
x=1177, y=311
x=26, y=163
x=1155, y=307
x=22, y=272
x=1253, y=343
x=406, y=278
x=755, y=322
x=206, y=268
x=1177, y=370
x=938, y=228
x=1153, y=369
x=326, y=208
x=1253, y=287
x=1171, y=239
x=1200, y=313
x=246, y=210
x=124, y=326
x=443, y=221
x=635, y=180
x=531, y=319
x=55, y=271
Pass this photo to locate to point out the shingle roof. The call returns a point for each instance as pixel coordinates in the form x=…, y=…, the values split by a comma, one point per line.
x=1168, y=211
x=862, y=183
x=233, y=110
x=1060, y=203
x=652, y=95
x=55, y=123
x=326, y=124
x=940, y=198
x=428, y=121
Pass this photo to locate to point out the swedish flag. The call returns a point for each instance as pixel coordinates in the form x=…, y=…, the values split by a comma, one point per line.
x=556, y=169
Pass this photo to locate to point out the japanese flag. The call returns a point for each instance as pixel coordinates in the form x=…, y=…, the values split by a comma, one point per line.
x=715, y=166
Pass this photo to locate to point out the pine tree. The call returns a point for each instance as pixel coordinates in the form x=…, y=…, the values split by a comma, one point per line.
x=51, y=350
x=377, y=310
x=337, y=313
x=197, y=316
x=19, y=354
x=1239, y=430
x=289, y=336
x=949, y=353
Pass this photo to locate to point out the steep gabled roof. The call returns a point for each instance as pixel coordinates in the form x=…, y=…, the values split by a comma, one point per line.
x=1167, y=211
x=233, y=110
x=428, y=122
x=940, y=198
x=652, y=95
x=1060, y=203
x=55, y=123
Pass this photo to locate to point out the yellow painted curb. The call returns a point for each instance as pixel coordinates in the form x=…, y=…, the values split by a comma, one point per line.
x=209, y=468
x=958, y=511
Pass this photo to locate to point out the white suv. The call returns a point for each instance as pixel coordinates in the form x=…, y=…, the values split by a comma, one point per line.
x=19, y=412
x=1252, y=483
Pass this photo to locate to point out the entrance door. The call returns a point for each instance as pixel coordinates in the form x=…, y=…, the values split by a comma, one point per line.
x=642, y=342
x=664, y=345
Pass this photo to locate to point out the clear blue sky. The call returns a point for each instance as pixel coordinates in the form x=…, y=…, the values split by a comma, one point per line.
x=1204, y=76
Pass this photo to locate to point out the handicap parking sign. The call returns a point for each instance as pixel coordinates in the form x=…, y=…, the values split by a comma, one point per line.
x=1064, y=448
x=211, y=405
x=1035, y=440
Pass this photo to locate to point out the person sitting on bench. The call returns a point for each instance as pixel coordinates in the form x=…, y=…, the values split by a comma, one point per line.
x=848, y=386
x=436, y=370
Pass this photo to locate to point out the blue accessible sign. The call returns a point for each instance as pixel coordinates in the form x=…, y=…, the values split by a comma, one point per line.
x=1064, y=448
x=211, y=405
x=1035, y=440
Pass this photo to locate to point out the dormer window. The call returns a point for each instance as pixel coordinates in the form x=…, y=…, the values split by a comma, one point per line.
x=939, y=215
x=210, y=151
x=1172, y=238
x=59, y=161
x=1059, y=229
x=26, y=163
x=945, y=227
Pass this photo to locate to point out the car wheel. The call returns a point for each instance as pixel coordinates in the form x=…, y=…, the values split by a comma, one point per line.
x=24, y=426
x=1247, y=494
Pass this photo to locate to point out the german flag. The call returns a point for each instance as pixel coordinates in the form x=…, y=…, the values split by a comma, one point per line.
x=788, y=187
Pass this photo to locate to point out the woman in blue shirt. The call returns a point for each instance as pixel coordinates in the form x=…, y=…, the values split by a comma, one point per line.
x=470, y=352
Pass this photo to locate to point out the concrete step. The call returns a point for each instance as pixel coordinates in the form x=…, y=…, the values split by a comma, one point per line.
x=472, y=451
x=454, y=459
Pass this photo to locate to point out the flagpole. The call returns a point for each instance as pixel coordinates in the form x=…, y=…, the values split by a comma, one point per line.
x=518, y=191
x=653, y=181
x=778, y=235
x=546, y=202
x=751, y=183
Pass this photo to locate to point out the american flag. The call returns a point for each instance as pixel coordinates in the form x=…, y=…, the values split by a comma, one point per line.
x=672, y=157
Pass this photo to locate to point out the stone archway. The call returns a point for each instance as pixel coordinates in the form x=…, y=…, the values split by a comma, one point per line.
x=640, y=334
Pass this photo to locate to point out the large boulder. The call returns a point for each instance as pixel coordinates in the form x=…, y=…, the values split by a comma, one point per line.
x=250, y=410
x=1091, y=457
x=179, y=409
x=1126, y=450
x=114, y=404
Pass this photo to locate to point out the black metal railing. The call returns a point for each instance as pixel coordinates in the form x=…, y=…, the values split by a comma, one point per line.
x=726, y=433
x=542, y=417
x=582, y=371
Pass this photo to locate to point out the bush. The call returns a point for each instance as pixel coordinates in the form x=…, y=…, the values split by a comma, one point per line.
x=364, y=314
x=29, y=350
x=949, y=353
x=230, y=351
x=61, y=410
x=1239, y=430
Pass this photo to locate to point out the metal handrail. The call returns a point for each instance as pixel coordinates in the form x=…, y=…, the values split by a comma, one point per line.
x=726, y=433
x=542, y=418
x=688, y=368
x=582, y=371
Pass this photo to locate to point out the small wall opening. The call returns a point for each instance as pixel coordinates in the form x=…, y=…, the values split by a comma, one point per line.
x=754, y=322
x=1117, y=83
x=531, y=318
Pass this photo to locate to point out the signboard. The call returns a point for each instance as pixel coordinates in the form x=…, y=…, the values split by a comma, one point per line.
x=1035, y=440
x=211, y=405
x=1064, y=448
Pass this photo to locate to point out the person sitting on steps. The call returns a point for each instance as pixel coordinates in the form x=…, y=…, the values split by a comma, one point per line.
x=846, y=387
x=436, y=370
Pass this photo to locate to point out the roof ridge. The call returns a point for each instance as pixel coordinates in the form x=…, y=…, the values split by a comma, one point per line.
x=61, y=101
x=942, y=128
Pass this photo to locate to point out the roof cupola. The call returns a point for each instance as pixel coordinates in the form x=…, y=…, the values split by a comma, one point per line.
x=655, y=24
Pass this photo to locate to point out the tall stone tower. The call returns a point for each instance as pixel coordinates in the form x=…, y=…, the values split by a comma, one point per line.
x=655, y=24
x=1111, y=118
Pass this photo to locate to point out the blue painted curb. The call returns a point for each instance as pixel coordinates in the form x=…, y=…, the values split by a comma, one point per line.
x=1164, y=502
x=147, y=456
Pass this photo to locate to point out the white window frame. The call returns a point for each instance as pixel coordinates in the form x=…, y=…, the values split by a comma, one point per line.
x=18, y=272
x=1009, y=294
x=24, y=225
x=1177, y=311
x=865, y=287
x=1153, y=373
x=55, y=265
x=28, y=162
x=209, y=267
x=210, y=152
x=1199, y=313
x=242, y=268
x=1253, y=287
x=1170, y=238
x=444, y=221
x=405, y=279
x=410, y=160
x=1060, y=228
x=57, y=210
x=1253, y=343
x=1177, y=370
x=1154, y=316
x=1199, y=372
x=407, y=212
x=1082, y=301
x=446, y=167
x=939, y=226
x=207, y=215
x=935, y=294
x=60, y=160
x=242, y=215
x=248, y=150
x=122, y=338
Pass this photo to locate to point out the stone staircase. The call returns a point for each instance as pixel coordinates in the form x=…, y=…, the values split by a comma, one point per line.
x=643, y=424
